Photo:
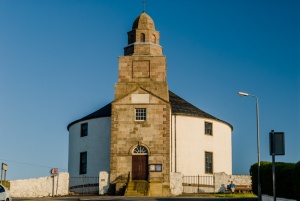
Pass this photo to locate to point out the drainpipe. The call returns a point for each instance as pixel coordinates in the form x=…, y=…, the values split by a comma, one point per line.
x=175, y=143
x=171, y=142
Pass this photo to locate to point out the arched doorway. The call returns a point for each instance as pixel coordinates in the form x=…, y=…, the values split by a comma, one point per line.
x=140, y=163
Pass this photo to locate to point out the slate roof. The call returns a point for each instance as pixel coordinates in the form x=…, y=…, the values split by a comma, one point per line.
x=179, y=106
x=102, y=112
x=182, y=107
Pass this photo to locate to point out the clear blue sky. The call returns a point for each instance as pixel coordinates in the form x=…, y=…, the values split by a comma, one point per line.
x=59, y=62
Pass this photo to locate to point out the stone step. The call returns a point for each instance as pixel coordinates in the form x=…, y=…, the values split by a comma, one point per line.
x=137, y=188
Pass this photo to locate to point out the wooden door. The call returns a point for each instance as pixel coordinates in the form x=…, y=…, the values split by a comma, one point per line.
x=139, y=167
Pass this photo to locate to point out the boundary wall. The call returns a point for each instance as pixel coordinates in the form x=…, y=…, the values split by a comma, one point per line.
x=221, y=180
x=57, y=185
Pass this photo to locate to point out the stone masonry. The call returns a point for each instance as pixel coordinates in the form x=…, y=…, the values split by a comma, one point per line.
x=141, y=84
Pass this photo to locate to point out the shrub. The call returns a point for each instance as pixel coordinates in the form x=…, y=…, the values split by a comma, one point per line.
x=287, y=179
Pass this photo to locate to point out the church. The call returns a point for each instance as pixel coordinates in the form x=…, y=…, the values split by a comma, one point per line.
x=147, y=132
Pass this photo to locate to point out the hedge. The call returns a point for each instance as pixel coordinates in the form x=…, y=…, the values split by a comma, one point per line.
x=287, y=179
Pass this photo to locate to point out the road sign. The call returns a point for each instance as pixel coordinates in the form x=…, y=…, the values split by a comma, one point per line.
x=54, y=171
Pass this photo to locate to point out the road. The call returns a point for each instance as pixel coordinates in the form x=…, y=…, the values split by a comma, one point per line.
x=122, y=198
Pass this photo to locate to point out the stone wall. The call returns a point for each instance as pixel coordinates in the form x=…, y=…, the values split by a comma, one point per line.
x=103, y=182
x=41, y=187
x=127, y=133
x=176, y=180
x=222, y=180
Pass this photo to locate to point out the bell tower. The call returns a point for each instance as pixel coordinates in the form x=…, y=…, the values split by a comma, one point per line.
x=141, y=113
x=143, y=64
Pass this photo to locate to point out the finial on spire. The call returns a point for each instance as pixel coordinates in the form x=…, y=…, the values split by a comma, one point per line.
x=144, y=2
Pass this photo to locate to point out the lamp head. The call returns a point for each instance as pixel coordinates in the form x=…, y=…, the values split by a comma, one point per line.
x=243, y=94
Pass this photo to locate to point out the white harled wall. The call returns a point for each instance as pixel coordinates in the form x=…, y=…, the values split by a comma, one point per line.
x=189, y=144
x=96, y=144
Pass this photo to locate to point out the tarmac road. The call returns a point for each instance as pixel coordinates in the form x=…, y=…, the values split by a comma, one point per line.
x=122, y=198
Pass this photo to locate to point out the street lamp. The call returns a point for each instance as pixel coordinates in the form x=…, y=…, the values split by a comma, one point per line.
x=258, y=144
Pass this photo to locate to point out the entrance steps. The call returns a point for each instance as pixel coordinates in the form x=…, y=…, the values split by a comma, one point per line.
x=137, y=188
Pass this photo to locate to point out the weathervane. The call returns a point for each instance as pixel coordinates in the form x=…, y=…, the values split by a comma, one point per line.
x=144, y=2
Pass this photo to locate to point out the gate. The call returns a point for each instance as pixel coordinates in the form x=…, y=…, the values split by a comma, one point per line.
x=198, y=184
x=84, y=185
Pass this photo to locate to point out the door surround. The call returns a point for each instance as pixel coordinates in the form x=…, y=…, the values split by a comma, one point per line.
x=139, y=163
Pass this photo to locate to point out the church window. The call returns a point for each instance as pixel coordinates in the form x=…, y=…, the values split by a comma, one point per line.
x=84, y=130
x=140, y=150
x=208, y=128
x=140, y=114
x=208, y=162
x=83, y=163
x=143, y=37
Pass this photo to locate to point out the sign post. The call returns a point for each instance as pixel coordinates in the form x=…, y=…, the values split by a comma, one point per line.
x=3, y=169
x=276, y=148
x=53, y=172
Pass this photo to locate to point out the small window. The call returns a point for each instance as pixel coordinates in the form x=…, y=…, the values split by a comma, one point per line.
x=140, y=114
x=208, y=162
x=84, y=130
x=208, y=128
x=143, y=38
x=83, y=163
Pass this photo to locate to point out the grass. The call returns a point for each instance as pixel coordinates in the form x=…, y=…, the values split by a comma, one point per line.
x=219, y=195
x=235, y=195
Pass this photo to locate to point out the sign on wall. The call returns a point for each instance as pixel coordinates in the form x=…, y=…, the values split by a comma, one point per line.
x=155, y=167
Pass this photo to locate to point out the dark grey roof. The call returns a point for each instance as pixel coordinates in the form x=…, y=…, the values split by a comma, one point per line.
x=179, y=106
x=182, y=107
x=102, y=112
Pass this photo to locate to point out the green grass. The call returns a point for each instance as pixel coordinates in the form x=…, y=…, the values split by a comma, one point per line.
x=235, y=195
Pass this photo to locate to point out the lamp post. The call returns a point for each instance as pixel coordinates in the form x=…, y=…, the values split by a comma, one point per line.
x=258, y=144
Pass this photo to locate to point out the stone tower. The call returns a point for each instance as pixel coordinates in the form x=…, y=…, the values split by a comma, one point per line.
x=141, y=112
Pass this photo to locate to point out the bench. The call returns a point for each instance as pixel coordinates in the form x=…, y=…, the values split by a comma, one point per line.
x=243, y=188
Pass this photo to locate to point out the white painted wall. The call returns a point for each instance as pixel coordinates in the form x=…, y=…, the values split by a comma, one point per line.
x=96, y=144
x=103, y=182
x=176, y=180
x=41, y=187
x=222, y=180
x=189, y=144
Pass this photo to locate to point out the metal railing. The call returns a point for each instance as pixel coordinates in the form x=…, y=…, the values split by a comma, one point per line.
x=84, y=185
x=197, y=184
x=198, y=180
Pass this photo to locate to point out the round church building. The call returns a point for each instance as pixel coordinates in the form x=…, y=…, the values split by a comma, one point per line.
x=148, y=132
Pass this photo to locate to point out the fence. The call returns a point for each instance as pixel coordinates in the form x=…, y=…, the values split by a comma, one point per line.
x=84, y=185
x=198, y=184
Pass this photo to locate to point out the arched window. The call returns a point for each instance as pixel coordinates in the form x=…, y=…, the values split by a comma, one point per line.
x=153, y=39
x=143, y=37
x=140, y=150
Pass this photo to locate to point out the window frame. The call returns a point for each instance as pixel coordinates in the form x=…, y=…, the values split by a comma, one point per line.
x=84, y=129
x=209, y=165
x=83, y=163
x=208, y=129
x=140, y=114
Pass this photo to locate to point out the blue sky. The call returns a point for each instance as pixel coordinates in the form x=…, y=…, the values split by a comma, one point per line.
x=59, y=62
